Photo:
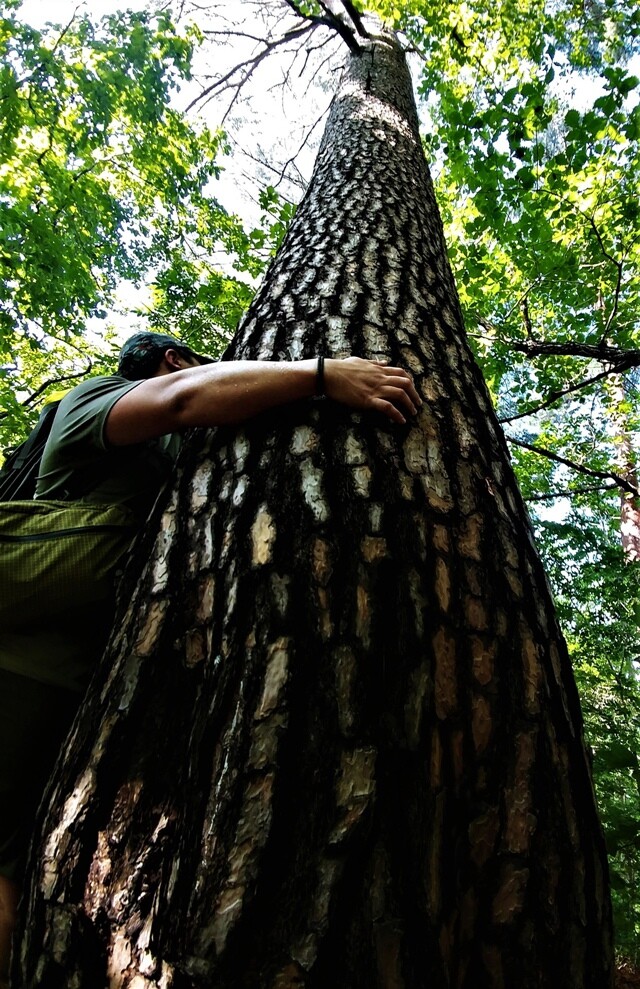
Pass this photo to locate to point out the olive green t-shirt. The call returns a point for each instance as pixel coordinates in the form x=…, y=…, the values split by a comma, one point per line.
x=78, y=463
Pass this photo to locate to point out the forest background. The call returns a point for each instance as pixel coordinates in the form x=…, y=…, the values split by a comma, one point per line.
x=125, y=140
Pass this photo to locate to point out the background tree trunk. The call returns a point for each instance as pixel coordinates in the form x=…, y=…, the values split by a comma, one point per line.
x=335, y=740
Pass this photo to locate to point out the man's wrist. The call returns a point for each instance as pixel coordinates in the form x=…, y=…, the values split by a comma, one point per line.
x=320, y=385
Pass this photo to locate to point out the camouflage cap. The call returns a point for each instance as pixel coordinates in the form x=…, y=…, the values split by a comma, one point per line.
x=141, y=354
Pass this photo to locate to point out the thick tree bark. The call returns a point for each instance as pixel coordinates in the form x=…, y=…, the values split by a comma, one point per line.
x=336, y=739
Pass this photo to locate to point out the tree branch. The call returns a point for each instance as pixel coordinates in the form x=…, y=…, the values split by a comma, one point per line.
x=620, y=482
x=557, y=395
x=330, y=20
x=618, y=267
x=251, y=64
x=621, y=360
x=570, y=492
x=356, y=17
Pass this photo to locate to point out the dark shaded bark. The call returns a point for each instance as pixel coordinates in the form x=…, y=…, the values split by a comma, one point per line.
x=336, y=739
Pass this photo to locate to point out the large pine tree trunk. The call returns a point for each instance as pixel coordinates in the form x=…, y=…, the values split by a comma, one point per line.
x=336, y=741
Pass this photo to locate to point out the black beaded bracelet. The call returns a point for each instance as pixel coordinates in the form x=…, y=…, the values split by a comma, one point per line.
x=320, y=376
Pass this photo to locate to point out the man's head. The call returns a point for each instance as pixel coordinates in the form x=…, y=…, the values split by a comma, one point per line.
x=143, y=354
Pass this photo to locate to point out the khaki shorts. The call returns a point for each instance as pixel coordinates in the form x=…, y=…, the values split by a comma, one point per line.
x=34, y=720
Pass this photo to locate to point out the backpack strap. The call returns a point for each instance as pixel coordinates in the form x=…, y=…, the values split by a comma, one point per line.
x=20, y=471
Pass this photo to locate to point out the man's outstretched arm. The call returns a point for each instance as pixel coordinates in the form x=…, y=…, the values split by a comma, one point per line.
x=234, y=391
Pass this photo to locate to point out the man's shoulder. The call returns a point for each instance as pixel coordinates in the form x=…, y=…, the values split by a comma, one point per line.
x=102, y=385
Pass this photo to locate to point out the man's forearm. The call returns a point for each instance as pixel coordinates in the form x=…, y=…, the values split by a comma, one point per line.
x=234, y=391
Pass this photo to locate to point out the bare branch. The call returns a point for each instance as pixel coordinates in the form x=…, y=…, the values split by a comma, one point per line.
x=570, y=492
x=620, y=360
x=618, y=266
x=356, y=17
x=331, y=20
x=620, y=482
x=557, y=395
x=250, y=64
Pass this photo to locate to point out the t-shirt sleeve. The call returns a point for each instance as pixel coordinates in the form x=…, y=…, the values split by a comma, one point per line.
x=83, y=413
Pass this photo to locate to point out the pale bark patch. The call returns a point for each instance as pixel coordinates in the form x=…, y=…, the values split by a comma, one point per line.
x=322, y=564
x=443, y=584
x=239, y=491
x=200, y=486
x=150, y=628
x=515, y=584
x=275, y=678
x=345, y=667
x=311, y=478
x=435, y=761
x=373, y=548
x=481, y=722
x=470, y=536
x=363, y=614
x=483, y=833
x=509, y=899
x=362, y=481
x=532, y=671
x=482, y=657
x=305, y=440
x=521, y=822
x=444, y=649
x=414, y=708
x=476, y=613
x=441, y=538
x=263, y=534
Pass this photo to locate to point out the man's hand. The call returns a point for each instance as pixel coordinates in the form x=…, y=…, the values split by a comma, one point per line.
x=371, y=385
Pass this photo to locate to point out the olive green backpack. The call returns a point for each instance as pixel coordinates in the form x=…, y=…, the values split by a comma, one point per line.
x=56, y=557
